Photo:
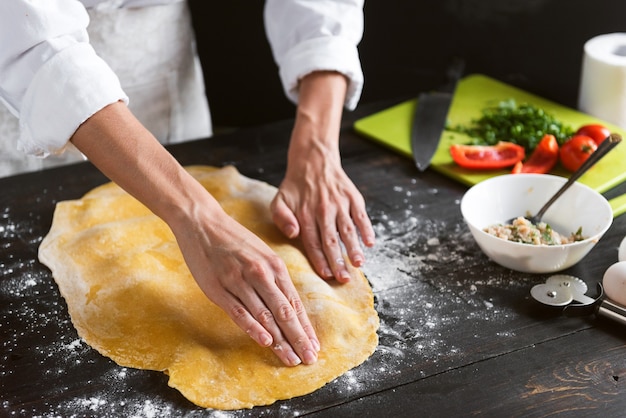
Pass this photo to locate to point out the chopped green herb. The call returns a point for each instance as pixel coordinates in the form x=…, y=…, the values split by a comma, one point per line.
x=524, y=124
x=547, y=236
x=578, y=235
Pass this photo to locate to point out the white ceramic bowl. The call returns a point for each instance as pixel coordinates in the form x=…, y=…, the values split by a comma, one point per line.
x=501, y=198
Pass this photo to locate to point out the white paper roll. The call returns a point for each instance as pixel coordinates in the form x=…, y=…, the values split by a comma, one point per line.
x=603, y=79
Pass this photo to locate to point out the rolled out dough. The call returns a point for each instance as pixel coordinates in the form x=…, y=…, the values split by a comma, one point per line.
x=131, y=297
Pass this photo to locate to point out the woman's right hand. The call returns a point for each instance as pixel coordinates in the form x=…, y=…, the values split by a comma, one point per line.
x=233, y=267
x=243, y=276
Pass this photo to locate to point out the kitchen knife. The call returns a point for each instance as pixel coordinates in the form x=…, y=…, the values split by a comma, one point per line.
x=430, y=116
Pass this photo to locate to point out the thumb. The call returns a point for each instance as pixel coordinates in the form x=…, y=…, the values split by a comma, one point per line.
x=283, y=217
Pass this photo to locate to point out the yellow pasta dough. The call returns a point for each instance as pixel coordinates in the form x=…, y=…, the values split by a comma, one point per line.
x=132, y=298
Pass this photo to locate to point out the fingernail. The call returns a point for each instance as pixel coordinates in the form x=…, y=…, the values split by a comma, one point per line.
x=309, y=356
x=293, y=359
x=265, y=340
x=327, y=273
x=358, y=261
x=316, y=344
x=290, y=231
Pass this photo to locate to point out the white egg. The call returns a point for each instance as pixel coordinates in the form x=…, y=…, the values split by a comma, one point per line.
x=614, y=282
x=621, y=254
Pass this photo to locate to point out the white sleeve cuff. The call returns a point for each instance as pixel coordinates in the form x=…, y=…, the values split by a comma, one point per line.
x=323, y=54
x=67, y=90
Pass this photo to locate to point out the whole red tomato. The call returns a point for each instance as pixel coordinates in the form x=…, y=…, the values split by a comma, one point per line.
x=595, y=131
x=576, y=150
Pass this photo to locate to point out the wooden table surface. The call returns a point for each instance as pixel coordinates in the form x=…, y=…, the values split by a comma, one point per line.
x=459, y=335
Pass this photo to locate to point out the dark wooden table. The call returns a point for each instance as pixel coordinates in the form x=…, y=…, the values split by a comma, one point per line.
x=459, y=335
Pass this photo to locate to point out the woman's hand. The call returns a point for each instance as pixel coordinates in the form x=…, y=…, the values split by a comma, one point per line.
x=244, y=277
x=233, y=267
x=316, y=199
x=318, y=202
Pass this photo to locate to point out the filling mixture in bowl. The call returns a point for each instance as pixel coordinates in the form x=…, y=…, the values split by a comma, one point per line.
x=523, y=231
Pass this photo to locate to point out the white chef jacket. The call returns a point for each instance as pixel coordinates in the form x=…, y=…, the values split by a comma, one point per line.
x=55, y=71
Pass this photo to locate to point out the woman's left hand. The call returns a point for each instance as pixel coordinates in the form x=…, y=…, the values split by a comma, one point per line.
x=319, y=203
x=316, y=200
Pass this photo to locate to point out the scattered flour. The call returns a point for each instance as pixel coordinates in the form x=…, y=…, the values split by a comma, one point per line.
x=414, y=255
x=432, y=261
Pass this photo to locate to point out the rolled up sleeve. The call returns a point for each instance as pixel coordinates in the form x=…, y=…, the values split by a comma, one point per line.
x=316, y=35
x=50, y=76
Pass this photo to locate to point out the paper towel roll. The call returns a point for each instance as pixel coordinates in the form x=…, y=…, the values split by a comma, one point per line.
x=603, y=80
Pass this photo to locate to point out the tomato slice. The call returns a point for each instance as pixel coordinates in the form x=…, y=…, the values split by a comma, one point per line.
x=487, y=157
x=575, y=151
x=595, y=131
x=543, y=159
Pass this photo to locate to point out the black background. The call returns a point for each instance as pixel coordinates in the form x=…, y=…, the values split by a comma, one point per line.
x=536, y=45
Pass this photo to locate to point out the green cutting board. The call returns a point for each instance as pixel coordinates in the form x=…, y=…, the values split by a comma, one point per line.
x=392, y=127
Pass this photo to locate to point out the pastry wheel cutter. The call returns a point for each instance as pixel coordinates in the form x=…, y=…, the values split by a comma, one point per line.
x=569, y=292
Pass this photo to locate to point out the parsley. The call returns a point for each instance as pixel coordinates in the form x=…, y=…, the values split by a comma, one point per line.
x=578, y=235
x=524, y=124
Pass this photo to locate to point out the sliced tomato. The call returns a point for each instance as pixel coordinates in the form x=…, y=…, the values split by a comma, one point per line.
x=543, y=159
x=576, y=150
x=487, y=157
x=596, y=131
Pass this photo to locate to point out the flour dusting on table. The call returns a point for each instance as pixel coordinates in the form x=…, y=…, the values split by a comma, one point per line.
x=415, y=255
x=422, y=272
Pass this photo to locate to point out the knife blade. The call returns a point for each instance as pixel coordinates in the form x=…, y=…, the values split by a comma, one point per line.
x=429, y=119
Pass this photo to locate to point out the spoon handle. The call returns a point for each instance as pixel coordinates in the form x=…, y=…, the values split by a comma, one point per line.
x=604, y=147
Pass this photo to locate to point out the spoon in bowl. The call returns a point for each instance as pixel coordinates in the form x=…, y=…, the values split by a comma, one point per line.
x=605, y=146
